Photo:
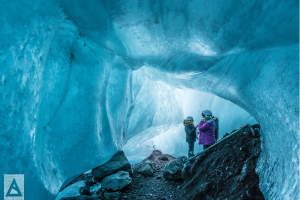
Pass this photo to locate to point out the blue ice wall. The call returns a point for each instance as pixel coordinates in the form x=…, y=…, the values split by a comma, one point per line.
x=156, y=105
x=66, y=83
x=156, y=120
x=64, y=99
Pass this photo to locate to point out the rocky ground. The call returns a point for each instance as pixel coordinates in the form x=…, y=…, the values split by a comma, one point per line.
x=223, y=172
x=155, y=186
x=226, y=170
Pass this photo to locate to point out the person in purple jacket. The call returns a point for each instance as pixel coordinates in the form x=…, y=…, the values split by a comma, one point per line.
x=206, y=129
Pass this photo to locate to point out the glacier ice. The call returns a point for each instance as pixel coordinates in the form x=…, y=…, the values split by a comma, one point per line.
x=158, y=112
x=67, y=100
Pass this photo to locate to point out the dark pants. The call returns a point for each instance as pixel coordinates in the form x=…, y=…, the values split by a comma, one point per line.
x=191, y=146
x=205, y=147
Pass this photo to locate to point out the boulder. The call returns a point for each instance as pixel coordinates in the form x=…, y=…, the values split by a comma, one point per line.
x=70, y=191
x=88, y=182
x=116, y=181
x=98, y=196
x=85, y=191
x=186, y=171
x=173, y=170
x=144, y=169
x=163, y=158
x=112, y=195
x=117, y=163
x=95, y=189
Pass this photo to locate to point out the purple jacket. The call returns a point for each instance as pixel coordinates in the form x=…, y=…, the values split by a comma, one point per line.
x=207, y=132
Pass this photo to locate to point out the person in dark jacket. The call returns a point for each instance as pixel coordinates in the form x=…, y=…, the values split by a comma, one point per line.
x=206, y=130
x=190, y=131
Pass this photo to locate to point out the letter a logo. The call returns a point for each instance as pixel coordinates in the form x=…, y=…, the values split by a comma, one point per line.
x=13, y=187
x=14, y=190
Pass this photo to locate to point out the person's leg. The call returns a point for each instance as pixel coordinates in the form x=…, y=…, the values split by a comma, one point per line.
x=191, y=149
x=192, y=146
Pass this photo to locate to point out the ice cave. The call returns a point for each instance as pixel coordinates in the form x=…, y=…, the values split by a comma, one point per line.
x=80, y=80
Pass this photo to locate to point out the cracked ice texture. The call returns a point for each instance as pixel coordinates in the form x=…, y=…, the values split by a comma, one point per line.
x=66, y=85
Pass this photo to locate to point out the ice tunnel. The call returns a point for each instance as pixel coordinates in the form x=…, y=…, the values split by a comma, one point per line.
x=67, y=74
x=159, y=109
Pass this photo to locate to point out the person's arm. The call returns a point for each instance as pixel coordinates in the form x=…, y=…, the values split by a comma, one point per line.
x=200, y=124
x=194, y=128
x=204, y=126
x=185, y=130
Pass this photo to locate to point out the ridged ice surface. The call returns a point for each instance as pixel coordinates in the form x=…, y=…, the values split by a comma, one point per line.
x=69, y=101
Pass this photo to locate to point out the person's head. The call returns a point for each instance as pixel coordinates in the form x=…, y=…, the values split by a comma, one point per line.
x=189, y=120
x=207, y=115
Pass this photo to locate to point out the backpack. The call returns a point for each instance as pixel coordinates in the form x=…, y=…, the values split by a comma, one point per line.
x=216, y=120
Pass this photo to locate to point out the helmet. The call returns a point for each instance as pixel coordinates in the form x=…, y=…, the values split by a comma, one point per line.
x=206, y=113
x=189, y=118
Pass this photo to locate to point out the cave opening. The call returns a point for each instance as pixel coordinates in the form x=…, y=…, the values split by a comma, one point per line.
x=156, y=120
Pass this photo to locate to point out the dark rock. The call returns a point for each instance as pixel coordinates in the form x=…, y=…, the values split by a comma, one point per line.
x=117, y=163
x=102, y=190
x=173, y=170
x=186, y=171
x=100, y=195
x=234, y=130
x=225, y=135
x=154, y=158
x=226, y=170
x=85, y=191
x=81, y=177
x=164, y=158
x=95, y=189
x=112, y=195
x=97, y=196
x=116, y=181
x=144, y=169
x=88, y=182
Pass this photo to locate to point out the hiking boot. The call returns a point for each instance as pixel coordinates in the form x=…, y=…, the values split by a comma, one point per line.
x=191, y=154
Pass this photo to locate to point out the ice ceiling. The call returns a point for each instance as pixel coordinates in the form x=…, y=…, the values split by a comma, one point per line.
x=66, y=95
